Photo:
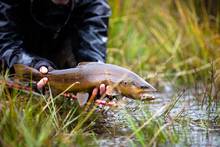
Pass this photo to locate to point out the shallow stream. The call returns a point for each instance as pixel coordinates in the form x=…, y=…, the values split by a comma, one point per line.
x=196, y=121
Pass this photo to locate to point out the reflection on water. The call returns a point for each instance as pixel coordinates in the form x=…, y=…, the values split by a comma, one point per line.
x=196, y=125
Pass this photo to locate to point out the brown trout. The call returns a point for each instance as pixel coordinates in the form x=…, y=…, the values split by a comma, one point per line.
x=89, y=75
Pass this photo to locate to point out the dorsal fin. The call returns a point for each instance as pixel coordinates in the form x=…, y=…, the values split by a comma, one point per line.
x=85, y=63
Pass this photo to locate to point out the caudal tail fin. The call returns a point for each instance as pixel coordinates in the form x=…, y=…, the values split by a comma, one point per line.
x=23, y=71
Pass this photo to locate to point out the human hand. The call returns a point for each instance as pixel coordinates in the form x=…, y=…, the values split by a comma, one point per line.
x=44, y=80
x=101, y=90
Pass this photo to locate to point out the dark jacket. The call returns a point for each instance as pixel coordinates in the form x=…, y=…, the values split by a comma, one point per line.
x=35, y=33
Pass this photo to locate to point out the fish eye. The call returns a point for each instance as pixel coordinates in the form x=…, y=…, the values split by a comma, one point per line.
x=124, y=83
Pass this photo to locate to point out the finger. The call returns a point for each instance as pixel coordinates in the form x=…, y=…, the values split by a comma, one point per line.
x=104, y=103
x=43, y=69
x=94, y=92
x=108, y=90
x=102, y=89
x=42, y=83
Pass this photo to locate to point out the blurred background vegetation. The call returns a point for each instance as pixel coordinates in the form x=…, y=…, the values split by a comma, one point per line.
x=173, y=40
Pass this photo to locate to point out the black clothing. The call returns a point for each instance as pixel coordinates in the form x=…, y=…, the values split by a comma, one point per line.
x=38, y=32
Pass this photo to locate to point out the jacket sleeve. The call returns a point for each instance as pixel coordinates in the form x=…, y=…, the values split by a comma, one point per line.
x=93, y=32
x=12, y=49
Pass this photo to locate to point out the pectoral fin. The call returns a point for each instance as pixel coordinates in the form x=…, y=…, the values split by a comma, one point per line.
x=82, y=98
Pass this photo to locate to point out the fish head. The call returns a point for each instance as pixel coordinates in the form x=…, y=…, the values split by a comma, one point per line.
x=136, y=87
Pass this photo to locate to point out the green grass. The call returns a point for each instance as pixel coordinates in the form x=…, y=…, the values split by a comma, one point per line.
x=152, y=130
x=42, y=121
x=163, y=41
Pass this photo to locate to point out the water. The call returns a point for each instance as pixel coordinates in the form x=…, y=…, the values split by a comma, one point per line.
x=195, y=125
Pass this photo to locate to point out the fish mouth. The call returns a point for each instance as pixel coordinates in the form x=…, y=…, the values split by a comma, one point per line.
x=147, y=96
x=148, y=88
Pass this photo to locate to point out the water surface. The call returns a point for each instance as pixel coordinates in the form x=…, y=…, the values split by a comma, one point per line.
x=196, y=121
